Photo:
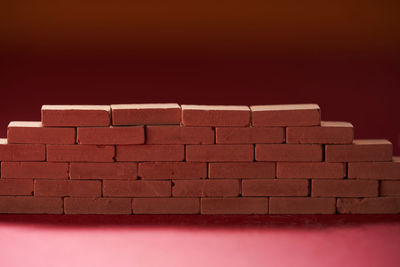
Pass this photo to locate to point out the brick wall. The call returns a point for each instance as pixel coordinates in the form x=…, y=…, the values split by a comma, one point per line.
x=186, y=159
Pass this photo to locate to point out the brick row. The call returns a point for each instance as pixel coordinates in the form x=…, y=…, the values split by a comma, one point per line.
x=188, y=115
x=195, y=205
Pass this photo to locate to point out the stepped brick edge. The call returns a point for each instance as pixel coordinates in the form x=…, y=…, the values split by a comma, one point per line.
x=194, y=159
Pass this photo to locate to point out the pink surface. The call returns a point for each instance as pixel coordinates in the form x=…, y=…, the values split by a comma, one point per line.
x=367, y=240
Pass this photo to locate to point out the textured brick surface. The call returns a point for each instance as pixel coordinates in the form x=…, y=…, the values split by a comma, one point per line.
x=344, y=188
x=21, y=152
x=390, y=188
x=275, y=187
x=212, y=153
x=173, y=170
x=75, y=115
x=194, y=159
x=32, y=132
x=150, y=153
x=206, y=188
x=111, y=135
x=379, y=205
x=360, y=150
x=31, y=205
x=286, y=115
x=243, y=205
x=144, y=114
x=242, y=170
x=37, y=170
x=288, y=152
x=14, y=187
x=302, y=205
x=328, y=133
x=166, y=205
x=75, y=205
x=114, y=170
x=177, y=135
x=246, y=135
x=67, y=188
x=80, y=153
x=313, y=170
x=118, y=188
x=202, y=115
x=375, y=170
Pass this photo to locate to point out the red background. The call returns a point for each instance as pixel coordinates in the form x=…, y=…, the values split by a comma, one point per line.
x=342, y=55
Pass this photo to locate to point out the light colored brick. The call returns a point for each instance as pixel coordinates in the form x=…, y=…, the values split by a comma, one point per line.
x=222, y=153
x=286, y=115
x=178, y=135
x=249, y=135
x=32, y=132
x=215, y=116
x=75, y=115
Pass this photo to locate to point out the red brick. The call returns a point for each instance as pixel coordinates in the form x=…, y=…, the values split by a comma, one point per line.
x=173, y=170
x=73, y=205
x=288, y=152
x=286, y=115
x=247, y=135
x=114, y=170
x=21, y=152
x=111, y=135
x=75, y=115
x=166, y=205
x=31, y=205
x=237, y=205
x=390, y=188
x=10, y=187
x=216, y=116
x=302, y=205
x=313, y=170
x=344, y=188
x=35, y=170
x=32, y=132
x=360, y=150
x=67, y=188
x=219, y=153
x=379, y=205
x=119, y=188
x=80, y=153
x=275, y=187
x=242, y=170
x=329, y=132
x=206, y=188
x=151, y=153
x=375, y=170
x=143, y=114
x=177, y=135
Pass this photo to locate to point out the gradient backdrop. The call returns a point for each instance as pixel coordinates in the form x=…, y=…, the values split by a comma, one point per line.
x=343, y=55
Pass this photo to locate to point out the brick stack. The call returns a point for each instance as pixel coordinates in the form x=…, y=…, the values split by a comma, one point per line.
x=172, y=159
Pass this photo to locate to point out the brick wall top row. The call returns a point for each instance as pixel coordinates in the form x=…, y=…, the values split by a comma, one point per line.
x=187, y=115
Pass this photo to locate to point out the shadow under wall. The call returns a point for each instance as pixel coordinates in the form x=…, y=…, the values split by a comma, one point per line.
x=200, y=221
